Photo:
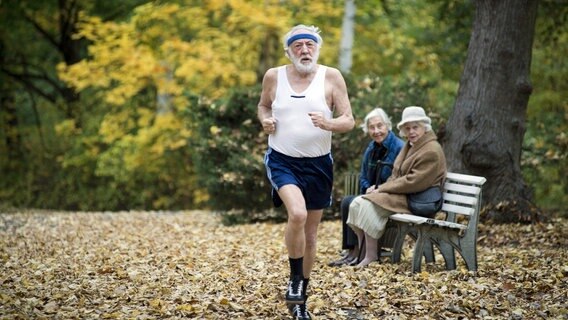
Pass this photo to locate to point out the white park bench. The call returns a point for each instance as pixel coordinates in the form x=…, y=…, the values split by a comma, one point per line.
x=456, y=231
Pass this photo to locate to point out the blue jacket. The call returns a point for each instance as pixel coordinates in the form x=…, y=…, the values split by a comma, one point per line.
x=390, y=148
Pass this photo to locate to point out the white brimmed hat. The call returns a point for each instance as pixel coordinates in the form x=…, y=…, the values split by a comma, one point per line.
x=412, y=114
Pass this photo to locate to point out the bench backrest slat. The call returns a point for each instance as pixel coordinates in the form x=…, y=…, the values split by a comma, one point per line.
x=351, y=184
x=461, y=188
x=461, y=197
x=448, y=207
x=464, y=178
x=458, y=198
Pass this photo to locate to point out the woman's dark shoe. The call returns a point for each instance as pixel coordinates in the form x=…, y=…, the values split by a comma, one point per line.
x=342, y=261
x=352, y=262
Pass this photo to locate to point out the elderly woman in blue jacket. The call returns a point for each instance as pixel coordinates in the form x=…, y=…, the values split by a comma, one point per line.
x=382, y=149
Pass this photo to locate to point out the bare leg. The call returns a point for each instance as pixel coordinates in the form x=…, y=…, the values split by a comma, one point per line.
x=371, y=253
x=370, y=216
x=311, y=234
x=294, y=237
x=360, y=242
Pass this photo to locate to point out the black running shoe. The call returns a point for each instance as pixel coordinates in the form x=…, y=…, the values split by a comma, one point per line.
x=295, y=293
x=299, y=312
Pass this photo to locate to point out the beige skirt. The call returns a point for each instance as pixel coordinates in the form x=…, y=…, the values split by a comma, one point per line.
x=368, y=216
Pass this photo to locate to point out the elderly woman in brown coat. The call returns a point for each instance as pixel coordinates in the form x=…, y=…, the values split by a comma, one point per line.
x=419, y=165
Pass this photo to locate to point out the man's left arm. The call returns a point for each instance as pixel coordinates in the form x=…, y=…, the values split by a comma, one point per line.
x=337, y=89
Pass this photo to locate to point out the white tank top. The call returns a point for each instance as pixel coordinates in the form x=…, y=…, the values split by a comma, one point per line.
x=295, y=135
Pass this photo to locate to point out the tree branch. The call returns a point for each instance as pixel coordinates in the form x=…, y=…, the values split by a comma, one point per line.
x=42, y=31
x=66, y=17
x=38, y=123
x=122, y=9
x=23, y=79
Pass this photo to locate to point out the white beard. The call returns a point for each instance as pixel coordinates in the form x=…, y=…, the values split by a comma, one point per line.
x=305, y=68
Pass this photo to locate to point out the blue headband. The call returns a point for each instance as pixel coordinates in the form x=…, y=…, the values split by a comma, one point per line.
x=301, y=36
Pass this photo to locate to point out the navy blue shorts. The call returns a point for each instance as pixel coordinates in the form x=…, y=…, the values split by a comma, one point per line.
x=314, y=177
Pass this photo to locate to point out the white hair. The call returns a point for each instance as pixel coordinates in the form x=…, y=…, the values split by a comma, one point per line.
x=312, y=29
x=377, y=112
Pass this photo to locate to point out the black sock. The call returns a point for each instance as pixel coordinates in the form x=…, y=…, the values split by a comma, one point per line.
x=297, y=267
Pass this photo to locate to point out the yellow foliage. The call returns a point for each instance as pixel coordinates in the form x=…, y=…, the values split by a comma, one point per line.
x=175, y=48
x=145, y=116
x=200, y=196
x=158, y=134
x=115, y=126
x=214, y=130
x=118, y=63
x=66, y=127
x=208, y=47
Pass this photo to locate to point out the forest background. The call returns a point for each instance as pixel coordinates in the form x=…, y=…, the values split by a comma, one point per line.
x=151, y=105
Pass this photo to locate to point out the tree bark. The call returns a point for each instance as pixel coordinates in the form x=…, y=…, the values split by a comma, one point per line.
x=347, y=35
x=70, y=48
x=9, y=118
x=485, y=131
x=268, y=54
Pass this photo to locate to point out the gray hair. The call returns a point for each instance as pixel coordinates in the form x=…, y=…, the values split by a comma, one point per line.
x=426, y=126
x=312, y=29
x=377, y=112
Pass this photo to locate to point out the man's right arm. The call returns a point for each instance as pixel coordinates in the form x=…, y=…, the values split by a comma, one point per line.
x=264, y=111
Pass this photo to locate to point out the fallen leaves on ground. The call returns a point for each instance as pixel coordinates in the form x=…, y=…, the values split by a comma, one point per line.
x=148, y=265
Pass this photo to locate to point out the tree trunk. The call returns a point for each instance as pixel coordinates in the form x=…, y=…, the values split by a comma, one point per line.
x=485, y=131
x=269, y=54
x=70, y=48
x=10, y=126
x=347, y=35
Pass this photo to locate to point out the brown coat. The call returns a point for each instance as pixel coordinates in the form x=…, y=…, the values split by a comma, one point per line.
x=416, y=168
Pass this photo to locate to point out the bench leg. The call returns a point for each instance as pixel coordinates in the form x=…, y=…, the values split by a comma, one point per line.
x=450, y=242
x=402, y=230
x=469, y=255
x=447, y=251
x=386, y=242
x=428, y=247
x=418, y=251
x=428, y=251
